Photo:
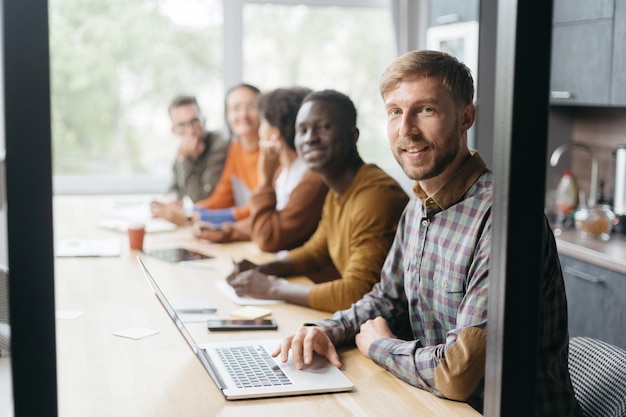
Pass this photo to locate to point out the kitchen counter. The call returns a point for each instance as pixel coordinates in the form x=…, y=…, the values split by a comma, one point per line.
x=610, y=254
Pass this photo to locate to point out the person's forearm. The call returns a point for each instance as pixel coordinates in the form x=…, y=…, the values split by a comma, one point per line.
x=281, y=268
x=215, y=216
x=282, y=289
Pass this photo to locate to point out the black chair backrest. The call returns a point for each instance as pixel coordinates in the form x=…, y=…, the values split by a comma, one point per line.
x=598, y=372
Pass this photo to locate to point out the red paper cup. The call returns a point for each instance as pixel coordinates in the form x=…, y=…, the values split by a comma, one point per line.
x=136, y=232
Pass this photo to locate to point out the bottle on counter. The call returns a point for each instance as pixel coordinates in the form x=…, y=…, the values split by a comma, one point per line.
x=566, y=198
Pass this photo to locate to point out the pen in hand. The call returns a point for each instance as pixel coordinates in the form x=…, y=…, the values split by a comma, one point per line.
x=235, y=272
x=239, y=267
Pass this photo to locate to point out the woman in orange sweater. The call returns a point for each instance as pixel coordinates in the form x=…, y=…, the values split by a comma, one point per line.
x=229, y=201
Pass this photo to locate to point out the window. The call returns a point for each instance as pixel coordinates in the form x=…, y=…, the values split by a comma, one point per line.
x=115, y=66
x=344, y=48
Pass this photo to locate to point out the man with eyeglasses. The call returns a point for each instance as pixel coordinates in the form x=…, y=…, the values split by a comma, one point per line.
x=200, y=158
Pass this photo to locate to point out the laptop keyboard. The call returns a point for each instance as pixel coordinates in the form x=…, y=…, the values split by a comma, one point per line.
x=252, y=366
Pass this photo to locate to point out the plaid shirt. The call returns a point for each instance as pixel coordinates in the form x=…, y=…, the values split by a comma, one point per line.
x=436, y=279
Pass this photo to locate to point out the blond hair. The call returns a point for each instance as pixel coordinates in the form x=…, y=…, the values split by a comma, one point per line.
x=456, y=76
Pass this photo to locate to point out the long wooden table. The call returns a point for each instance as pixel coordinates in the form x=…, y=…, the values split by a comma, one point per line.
x=100, y=374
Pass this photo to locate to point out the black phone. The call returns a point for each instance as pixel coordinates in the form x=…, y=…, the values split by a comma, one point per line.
x=241, y=324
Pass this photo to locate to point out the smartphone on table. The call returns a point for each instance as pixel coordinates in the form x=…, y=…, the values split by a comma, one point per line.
x=241, y=324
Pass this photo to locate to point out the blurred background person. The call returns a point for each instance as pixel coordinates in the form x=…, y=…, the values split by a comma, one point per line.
x=287, y=203
x=200, y=157
x=229, y=200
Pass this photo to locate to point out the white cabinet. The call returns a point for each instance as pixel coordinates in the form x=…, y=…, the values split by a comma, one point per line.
x=443, y=12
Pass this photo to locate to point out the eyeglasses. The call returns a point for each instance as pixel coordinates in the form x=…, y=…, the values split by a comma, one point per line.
x=195, y=122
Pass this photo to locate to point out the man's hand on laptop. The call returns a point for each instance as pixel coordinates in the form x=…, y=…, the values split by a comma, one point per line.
x=307, y=341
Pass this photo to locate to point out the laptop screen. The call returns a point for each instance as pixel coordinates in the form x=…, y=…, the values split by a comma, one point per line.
x=169, y=308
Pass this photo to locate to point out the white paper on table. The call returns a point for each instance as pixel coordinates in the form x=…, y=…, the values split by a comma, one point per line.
x=88, y=248
x=136, y=333
x=119, y=216
x=152, y=225
x=244, y=301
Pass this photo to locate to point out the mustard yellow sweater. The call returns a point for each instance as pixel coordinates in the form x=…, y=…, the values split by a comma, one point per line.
x=355, y=233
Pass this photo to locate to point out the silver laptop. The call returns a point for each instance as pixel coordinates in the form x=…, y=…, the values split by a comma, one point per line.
x=245, y=369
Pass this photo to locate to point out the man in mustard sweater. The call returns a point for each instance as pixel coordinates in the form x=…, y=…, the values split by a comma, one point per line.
x=359, y=217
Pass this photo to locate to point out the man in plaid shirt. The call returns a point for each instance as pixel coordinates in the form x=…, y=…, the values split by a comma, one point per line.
x=434, y=283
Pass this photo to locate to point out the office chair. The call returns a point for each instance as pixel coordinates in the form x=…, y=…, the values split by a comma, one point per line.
x=598, y=373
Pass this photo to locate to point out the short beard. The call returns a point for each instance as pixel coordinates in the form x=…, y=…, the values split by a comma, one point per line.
x=441, y=162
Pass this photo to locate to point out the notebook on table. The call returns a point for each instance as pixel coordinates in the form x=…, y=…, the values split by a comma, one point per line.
x=245, y=369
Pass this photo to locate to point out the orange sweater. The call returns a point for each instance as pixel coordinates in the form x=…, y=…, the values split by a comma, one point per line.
x=239, y=178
